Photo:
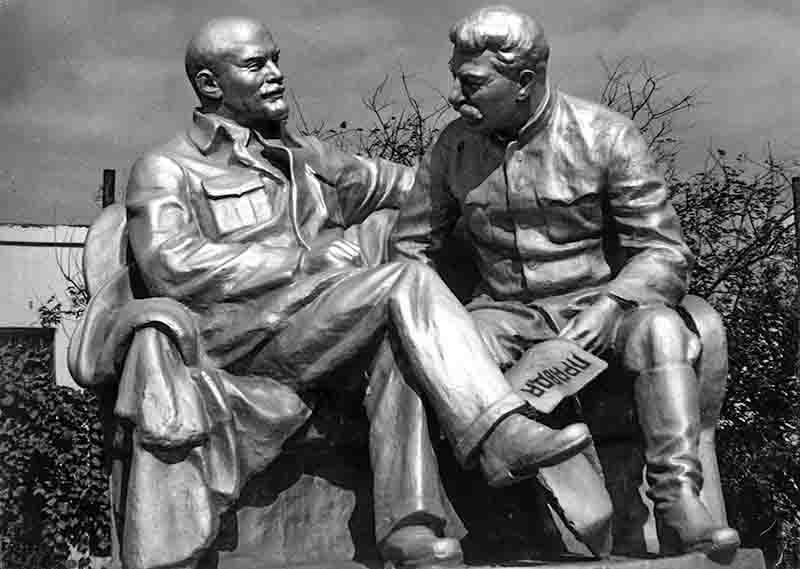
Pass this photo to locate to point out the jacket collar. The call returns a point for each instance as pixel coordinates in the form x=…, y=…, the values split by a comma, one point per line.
x=539, y=118
x=209, y=129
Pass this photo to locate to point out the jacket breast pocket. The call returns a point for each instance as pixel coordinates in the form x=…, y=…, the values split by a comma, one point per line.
x=237, y=200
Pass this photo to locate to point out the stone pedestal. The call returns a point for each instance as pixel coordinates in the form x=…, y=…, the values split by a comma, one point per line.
x=313, y=506
x=745, y=559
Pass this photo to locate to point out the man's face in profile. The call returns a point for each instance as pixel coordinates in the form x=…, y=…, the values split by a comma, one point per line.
x=250, y=79
x=482, y=95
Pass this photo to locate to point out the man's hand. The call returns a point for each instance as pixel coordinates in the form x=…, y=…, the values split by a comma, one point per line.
x=593, y=328
x=334, y=254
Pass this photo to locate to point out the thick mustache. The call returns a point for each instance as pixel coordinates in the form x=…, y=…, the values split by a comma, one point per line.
x=279, y=90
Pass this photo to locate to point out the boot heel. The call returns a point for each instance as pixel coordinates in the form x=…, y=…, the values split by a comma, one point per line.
x=686, y=526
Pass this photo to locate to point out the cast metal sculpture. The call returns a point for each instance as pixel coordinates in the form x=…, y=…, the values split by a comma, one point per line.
x=250, y=263
x=574, y=238
x=255, y=269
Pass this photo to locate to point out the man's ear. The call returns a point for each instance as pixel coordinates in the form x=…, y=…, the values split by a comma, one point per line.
x=207, y=84
x=527, y=81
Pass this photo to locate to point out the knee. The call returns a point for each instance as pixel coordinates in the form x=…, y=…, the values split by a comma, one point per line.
x=657, y=336
x=414, y=285
x=417, y=271
x=712, y=366
x=414, y=277
x=498, y=336
x=710, y=329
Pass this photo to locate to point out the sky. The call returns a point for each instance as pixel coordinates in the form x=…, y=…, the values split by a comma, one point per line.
x=92, y=84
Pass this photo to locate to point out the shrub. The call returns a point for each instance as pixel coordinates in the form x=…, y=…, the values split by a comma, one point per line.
x=759, y=433
x=53, y=487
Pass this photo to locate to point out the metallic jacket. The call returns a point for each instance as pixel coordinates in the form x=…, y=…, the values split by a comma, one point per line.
x=218, y=219
x=573, y=206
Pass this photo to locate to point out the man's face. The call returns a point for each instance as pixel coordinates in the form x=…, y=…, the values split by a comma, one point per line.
x=487, y=99
x=250, y=80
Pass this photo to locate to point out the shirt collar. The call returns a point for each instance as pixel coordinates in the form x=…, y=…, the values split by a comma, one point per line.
x=208, y=129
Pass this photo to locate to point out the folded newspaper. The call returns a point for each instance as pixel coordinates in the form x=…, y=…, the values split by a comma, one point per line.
x=553, y=370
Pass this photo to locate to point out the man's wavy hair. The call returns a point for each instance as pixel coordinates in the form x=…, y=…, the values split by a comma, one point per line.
x=517, y=40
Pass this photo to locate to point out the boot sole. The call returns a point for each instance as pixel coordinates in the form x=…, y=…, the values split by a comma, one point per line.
x=453, y=558
x=720, y=551
x=429, y=562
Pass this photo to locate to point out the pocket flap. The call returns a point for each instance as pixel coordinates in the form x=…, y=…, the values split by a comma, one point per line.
x=232, y=185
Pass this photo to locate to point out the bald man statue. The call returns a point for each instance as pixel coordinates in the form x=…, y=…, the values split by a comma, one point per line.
x=573, y=237
x=267, y=237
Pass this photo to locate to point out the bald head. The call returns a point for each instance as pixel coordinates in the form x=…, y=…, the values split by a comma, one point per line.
x=232, y=64
x=217, y=40
x=516, y=39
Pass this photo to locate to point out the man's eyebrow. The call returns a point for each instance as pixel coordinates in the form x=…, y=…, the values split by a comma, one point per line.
x=252, y=54
x=467, y=73
x=472, y=74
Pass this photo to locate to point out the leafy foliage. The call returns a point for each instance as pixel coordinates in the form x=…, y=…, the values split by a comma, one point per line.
x=738, y=218
x=53, y=488
x=53, y=311
x=759, y=433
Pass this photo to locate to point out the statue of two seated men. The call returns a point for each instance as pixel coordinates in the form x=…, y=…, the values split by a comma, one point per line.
x=269, y=259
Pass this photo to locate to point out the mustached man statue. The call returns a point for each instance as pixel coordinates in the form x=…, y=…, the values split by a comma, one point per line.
x=573, y=237
x=258, y=257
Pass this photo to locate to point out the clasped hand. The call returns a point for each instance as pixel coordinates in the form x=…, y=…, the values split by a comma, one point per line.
x=331, y=254
x=593, y=329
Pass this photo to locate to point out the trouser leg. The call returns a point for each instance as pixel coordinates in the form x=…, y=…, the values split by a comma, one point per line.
x=444, y=353
x=407, y=487
x=509, y=329
x=449, y=360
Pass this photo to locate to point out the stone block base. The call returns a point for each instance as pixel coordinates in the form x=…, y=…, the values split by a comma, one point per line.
x=745, y=559
x=313, y=508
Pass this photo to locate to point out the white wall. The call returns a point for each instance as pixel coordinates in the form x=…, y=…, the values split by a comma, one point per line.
x=32, y=262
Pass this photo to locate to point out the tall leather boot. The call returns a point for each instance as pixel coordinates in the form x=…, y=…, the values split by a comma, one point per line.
x=667, y=403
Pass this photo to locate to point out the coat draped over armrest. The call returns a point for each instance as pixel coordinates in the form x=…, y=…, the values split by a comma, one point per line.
x=198, y=432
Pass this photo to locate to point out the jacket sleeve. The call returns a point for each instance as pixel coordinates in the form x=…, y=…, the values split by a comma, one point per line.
x=430, y=212
x=176, y=259
x=362, y=185
x=656, y=258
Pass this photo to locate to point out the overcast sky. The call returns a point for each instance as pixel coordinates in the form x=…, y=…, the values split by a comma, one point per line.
x=91, y=84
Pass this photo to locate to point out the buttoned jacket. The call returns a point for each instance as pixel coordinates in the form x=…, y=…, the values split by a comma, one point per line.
x=219, y=218
x=574, y=206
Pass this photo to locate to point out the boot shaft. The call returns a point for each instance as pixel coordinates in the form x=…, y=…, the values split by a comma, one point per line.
x=668, y=407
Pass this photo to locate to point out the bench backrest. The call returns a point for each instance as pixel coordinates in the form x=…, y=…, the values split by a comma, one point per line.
x=105, y=249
